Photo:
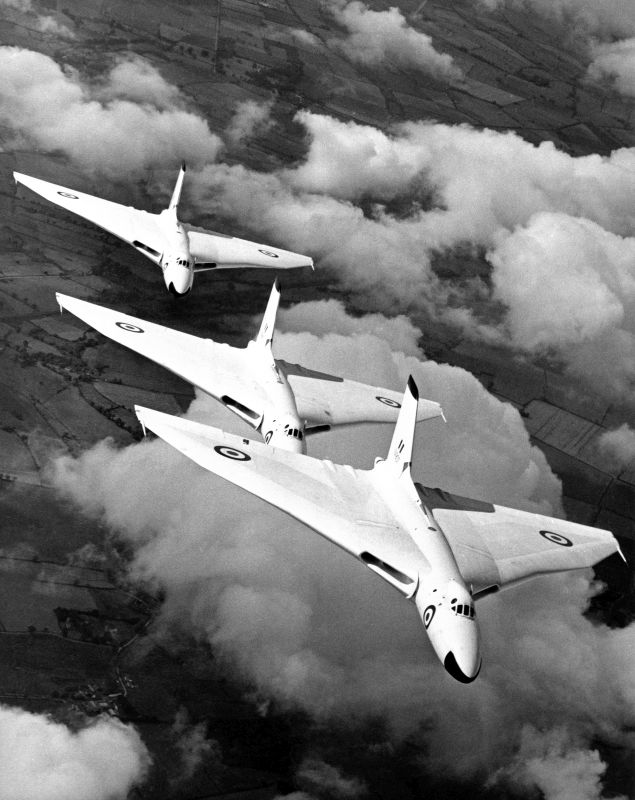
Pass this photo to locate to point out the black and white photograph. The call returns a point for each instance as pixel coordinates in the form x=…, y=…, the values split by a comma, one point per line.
x=317, y=400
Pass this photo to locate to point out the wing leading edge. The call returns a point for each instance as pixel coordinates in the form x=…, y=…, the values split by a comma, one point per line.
x=218, y=369
x=138, y=228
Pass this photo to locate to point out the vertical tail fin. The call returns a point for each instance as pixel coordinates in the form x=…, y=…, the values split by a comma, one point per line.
x=268, y=324
x=399, y=455
x=176, y=194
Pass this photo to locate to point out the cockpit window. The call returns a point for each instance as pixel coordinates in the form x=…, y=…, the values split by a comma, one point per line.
x=294, y=432
x=462, y=609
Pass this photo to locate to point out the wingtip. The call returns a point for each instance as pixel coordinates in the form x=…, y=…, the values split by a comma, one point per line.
x=183, y=166
x=276, y=285
x=412, y=387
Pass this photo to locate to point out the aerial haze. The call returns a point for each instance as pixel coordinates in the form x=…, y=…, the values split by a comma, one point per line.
x=463, y=176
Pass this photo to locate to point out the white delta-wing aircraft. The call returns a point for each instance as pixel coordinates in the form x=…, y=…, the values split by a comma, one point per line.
x=437, y=549
x=181, y=250
x=284, y=402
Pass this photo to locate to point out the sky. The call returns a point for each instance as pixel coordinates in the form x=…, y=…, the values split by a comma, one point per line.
x=303, y=622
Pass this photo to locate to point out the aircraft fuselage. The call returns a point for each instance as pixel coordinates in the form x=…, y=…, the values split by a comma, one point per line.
x=441, y=596
x=176, y=262
x=281, y=425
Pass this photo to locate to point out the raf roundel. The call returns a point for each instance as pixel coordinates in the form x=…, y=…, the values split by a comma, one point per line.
x=556, y=538
x=388, y=402
x=231, y=452
x=268, y=253
x=428, y=615
x=68, y=195
x=127, y=326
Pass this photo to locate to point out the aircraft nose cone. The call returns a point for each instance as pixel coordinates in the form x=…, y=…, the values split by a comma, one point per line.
x=466, y=671
x=180, y=282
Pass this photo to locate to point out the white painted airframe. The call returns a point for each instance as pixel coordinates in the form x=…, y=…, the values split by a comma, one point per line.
x=181, y=250
x=284, y=402
x=440, y=550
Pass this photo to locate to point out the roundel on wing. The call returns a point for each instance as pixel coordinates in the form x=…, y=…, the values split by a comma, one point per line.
x=556, y=538
x=231, y=452
x=428, y=615
x=268, y=253
x=69, y=195
x=387, y=401
x=127, y=326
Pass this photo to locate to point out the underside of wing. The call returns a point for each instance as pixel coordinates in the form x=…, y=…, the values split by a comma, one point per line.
x=138, y=228
x=218, y=369
x=337, y=501
x=497, y=546
x=217, y=251
x=324, y=399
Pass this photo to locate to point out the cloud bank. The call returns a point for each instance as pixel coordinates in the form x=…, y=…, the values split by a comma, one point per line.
x=250, y=119
x=618, y=446
x=45, y=760
x=615, y=61
x=324, y=317
x=129, y=121
x=379, y=209
x=378, y=38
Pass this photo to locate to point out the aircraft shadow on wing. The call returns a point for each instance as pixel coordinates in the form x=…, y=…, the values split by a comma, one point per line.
x=441, y=551
x=181, y=250
x=284, y=402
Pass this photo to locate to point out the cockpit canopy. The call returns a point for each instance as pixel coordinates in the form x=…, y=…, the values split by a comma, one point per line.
x=182, y=262
x=294, y=432
x=462, y=609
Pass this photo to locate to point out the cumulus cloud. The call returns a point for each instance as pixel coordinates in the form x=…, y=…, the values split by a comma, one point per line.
x=580, y=282
x=380, y=37
x=556, y=764
x=193, y=745
x=250, y=119
x=618, y=446
x=45, y=760
x=305, y=37
x=48, y=24
x=135, y=79
x=325, y=779
x=325, y=317
x=267, y=592
x=113, y=128
x=615, y=61
x=569, y=288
